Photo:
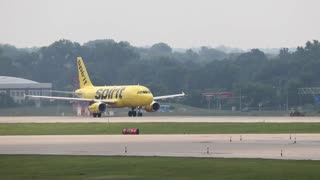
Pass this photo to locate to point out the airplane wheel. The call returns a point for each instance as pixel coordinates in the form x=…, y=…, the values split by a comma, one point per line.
x=130, y=113
x=134, y=113
x=99, y=114
x=94, y=115
x=140, y=114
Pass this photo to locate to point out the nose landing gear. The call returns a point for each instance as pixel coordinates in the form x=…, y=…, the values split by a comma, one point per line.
x=134, y=113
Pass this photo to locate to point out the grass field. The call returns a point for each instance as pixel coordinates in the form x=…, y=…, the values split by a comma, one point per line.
x=155, y=128
x=152, y=168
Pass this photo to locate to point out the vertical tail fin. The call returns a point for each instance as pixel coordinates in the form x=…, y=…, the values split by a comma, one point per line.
x=84, y=79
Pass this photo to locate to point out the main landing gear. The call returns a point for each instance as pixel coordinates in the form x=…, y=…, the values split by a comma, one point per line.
x=134, y=113
x=96, y=114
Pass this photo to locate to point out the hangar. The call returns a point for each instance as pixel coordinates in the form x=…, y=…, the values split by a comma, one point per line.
x=17, y=87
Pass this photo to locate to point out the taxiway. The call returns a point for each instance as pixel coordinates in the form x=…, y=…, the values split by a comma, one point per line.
x=213, y=119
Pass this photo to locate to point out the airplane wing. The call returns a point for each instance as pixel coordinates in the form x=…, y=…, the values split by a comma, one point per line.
x=107, y=101
x=168, y=96
x=63, y=92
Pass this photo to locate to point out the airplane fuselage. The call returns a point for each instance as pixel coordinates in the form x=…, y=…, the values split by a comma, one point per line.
x=125, y=96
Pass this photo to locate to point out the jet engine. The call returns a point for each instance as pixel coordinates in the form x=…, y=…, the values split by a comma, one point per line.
x=154, y=106
x=97, y=107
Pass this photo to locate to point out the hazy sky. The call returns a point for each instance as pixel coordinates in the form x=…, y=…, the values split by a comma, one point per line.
x=180, y=23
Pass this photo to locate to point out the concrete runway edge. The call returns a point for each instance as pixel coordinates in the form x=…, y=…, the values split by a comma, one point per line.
x=213, y=119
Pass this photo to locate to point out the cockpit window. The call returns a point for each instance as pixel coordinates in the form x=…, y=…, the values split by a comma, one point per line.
x=144, y=92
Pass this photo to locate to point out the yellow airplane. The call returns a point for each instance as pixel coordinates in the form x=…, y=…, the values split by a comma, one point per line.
x=135, y=97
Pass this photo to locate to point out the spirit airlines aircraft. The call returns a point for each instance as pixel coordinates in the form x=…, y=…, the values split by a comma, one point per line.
x=135, y=97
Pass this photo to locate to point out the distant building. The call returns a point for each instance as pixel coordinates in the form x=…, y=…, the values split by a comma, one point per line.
x=17, y=87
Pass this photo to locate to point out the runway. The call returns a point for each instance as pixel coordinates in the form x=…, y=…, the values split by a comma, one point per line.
x=212, y=119
x=269, y=146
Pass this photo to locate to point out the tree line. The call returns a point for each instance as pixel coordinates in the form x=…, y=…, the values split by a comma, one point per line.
x=260, y=79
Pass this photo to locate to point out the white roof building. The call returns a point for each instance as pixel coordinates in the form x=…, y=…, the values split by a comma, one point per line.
x=17, y=87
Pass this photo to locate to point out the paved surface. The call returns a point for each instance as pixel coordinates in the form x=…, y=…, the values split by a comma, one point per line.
x=307, y=146
x=240, y=119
